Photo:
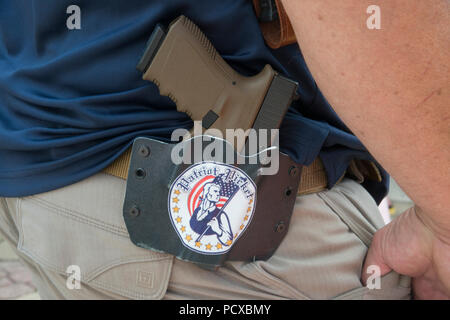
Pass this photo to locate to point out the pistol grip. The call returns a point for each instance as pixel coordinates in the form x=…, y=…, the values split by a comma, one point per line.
x=187, y=68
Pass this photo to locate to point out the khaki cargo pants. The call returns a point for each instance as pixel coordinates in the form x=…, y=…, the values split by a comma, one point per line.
x=81, y=225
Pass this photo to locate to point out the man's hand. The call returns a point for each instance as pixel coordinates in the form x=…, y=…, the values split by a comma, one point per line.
x=408, y=246
x=391, y=88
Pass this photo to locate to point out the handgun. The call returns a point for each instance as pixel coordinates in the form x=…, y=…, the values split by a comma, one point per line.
x=187, y=68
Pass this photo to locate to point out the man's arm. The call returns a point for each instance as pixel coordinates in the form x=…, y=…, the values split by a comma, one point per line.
x=390, y=86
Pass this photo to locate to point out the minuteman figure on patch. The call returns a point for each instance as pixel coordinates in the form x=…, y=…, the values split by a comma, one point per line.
x=210, y=205
x=209, y=218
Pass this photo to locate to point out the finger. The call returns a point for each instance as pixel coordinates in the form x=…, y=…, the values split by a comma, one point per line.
x=375, y=260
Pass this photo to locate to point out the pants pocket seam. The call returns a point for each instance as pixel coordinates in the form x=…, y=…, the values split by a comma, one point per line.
x=125, y=292
x=350, y=224
x=81, y=217
x=40, y=260
x=133, y=259
x=133, y=294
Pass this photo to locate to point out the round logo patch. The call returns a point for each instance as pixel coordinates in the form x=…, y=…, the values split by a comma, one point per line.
x=210, y=206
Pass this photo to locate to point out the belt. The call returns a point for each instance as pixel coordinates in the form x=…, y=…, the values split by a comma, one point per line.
x=313, y=179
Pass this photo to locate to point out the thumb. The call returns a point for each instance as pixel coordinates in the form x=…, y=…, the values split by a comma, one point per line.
x=375, y=259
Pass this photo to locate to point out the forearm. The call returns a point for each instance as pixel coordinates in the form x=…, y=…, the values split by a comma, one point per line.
x=390, y=86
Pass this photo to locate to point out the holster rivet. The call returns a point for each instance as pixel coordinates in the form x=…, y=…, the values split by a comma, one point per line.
x=144, y=151
x=288, y=192
x=134, y=211
x=140, y=173
x=293, y=171
x=280, y=227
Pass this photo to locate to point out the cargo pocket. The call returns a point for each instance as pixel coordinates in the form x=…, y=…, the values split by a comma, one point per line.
x=82, y=226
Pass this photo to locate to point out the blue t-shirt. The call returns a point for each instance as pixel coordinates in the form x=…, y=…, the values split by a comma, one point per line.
x=71, y=101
